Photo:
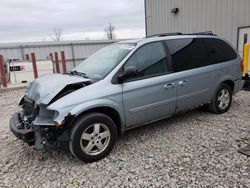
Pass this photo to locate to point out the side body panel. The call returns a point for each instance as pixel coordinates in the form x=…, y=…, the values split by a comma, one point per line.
x=194, y=87
x=149, y=99
x=229, y=70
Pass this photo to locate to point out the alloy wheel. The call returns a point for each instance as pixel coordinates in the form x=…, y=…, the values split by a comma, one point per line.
x=223, y=99
x=95, y=139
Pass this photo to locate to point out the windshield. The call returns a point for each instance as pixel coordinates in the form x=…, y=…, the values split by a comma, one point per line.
x=101, y=63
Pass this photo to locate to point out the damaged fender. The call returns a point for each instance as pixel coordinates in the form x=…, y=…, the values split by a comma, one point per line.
x=78, y=109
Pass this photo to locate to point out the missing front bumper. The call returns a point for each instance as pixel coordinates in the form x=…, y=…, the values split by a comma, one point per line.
x=27, y=135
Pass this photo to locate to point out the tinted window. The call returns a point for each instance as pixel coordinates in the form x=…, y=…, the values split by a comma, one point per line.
x=219, y=51
x=149, y=60
x=187, y=54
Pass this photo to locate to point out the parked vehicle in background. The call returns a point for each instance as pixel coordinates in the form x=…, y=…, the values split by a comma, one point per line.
x=124, y=85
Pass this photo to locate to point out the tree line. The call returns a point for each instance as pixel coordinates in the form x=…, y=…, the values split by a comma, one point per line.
x=109, y=32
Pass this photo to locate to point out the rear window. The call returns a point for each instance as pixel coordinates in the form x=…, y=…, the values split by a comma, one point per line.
x=219, y=51
x=187, y=54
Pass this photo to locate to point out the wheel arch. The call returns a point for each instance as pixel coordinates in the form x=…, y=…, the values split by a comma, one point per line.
x=108, y=110
x=227, y=79
x=230, y=83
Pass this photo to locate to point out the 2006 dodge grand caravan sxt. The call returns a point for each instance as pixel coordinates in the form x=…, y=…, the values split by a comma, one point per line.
x=124, y=85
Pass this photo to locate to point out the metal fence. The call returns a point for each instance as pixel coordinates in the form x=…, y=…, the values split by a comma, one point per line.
x=75, y=51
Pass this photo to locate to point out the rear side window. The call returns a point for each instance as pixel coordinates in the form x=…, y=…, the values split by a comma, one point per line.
x=187, y=54
x=219, y=51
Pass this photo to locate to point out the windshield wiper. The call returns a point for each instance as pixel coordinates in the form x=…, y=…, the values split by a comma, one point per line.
x=74, y=72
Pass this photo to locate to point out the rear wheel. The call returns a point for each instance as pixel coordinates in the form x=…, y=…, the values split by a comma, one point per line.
x=222, y=99
x=92, y=137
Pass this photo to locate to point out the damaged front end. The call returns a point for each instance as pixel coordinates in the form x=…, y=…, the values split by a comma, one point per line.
x=37, y=125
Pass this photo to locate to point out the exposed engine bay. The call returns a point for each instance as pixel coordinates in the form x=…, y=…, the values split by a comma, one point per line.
x=35, y=124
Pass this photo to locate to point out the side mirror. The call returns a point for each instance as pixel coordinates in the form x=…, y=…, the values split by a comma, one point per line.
x=128, y=72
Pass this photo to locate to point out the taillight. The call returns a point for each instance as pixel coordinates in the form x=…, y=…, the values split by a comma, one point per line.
x=242, y=65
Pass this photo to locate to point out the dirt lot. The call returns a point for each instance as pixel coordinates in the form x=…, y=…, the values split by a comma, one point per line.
x=195, y=149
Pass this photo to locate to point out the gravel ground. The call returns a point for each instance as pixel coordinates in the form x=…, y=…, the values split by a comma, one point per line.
x=194, y=149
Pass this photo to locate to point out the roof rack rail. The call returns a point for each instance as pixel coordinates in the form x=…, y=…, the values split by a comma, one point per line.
x=204, y=33
x=165, y=34
x=179, y=33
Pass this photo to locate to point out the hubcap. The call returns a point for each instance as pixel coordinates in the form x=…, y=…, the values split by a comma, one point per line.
x=95, y=139
x=223, y=99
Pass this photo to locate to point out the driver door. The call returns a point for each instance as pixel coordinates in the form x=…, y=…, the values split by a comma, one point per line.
x=152, y=94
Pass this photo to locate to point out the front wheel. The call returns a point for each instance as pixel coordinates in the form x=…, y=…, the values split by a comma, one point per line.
x=92, y=137
x=222, y=99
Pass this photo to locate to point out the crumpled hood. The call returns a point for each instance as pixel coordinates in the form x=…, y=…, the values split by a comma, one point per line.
x=46, y=87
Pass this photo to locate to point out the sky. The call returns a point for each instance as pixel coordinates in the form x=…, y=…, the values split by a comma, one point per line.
x=34, y=20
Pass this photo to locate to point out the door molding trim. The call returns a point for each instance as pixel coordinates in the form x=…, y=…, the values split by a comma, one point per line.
x=193, y=94
x=149, y=106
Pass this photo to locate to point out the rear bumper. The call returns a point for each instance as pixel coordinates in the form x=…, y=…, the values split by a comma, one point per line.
x=238, y=84
x=27, y=135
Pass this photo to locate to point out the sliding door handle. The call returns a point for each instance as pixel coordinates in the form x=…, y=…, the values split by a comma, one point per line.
x=183, y=82
x=168, y=86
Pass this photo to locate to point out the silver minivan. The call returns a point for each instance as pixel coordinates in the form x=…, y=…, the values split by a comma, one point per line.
x=125, y=85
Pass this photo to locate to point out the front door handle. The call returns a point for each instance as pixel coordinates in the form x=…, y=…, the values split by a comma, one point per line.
x=168, y=86
x=183, y=82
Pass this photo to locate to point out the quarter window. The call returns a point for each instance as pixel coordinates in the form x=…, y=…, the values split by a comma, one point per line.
x=150, y=60
x=219, y=51
x=187, y=54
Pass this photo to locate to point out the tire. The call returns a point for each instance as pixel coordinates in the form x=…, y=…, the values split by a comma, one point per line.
x=221, y=104
x=89, y=143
